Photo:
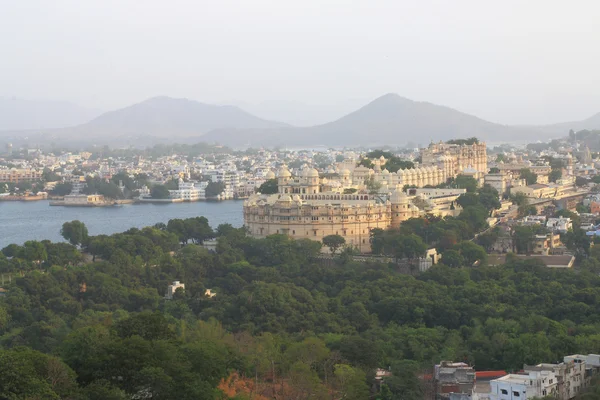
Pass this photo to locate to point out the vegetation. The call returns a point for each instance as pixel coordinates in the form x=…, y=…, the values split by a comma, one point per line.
x=213, y=189
x=530, y=177
x=334, y=242
x=75, y=232
x=268, y=187
x=468, y=141
x=92, y=322
x=159, y=192
x=62, y=189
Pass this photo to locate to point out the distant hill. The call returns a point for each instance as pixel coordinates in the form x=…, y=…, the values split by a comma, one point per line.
x=166, y=117
x=21, y=114
x=389, y=119
x=562, y=129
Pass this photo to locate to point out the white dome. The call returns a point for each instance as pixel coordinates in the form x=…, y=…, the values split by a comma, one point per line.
x=285, y=199
x=312, y=173
x=346, y=172
x=284, y=172
x=270, y=175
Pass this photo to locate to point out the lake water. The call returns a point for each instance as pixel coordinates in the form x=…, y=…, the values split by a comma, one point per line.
x=37, y=220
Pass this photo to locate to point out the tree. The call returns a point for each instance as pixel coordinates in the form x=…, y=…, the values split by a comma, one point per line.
x=268, y=187
x=494, y=170
x=372, y=185
x=581, y=181
x=334, y=242
x=452, y=258
x=61, y=189
x=519, y=199
x=555, y=175
x=75, y=232
x=351, y=383
x=213, y=189
x=365, y=162
x=466, y=182
x=160, y=192
x=471, y=252
x=530, y=177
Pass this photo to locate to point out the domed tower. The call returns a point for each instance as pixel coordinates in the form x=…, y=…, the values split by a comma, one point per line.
x=570, y=164
x=400, y=207
x=283, y=177
x=312, y=179
x=345, y=177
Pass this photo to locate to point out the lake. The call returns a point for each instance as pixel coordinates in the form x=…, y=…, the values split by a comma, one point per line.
x=37, y=220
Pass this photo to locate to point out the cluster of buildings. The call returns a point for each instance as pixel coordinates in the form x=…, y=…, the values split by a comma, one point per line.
x=354, y=200
x=561, y=381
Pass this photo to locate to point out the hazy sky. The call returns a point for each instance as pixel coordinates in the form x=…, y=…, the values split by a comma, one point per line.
x=509, y=61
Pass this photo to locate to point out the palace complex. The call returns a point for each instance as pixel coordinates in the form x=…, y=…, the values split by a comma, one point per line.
x=352, y=202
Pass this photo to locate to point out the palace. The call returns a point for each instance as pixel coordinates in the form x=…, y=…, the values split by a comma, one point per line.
x=310, y=205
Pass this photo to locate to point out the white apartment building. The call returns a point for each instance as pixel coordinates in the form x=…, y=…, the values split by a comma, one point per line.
x=189, y=191
x=523, y=387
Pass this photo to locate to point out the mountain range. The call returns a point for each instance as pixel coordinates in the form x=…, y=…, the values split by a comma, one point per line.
x=387, y=120
x=20, y=114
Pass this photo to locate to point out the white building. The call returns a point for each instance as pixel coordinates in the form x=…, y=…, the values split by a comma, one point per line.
x=189, y=191
x=171, y=289
x=559, y=224
x=523, y=387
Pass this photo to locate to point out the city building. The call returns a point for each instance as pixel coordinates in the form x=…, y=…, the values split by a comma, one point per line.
x=310, y=207
x=172, y=288
x=14, y=175
x=189, y=191
x=453, y=381
x=524, y=386
x=570, y=377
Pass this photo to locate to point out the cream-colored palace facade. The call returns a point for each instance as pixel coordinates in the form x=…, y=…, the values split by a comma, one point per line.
x=310, y=206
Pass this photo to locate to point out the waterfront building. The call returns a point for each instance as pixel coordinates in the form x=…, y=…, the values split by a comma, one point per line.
x=189, y=191
x=15, y=175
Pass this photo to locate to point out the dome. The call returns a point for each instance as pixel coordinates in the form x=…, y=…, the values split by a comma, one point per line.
x=285, y=199
x=312, y=173
x=270, y=175
x=297, y=198
x=398, y=197
x=385, y=171
x=346, y=172
x=284, y=172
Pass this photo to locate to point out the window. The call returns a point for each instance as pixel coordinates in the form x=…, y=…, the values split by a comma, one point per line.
x=516, y=394
x=550, y=381
x=503, y=391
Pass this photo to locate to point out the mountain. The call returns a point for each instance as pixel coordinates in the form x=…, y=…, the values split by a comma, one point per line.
x=166, y=117
x=297, y=113
x=21, y=114
x=562, y=128
x=389, y=119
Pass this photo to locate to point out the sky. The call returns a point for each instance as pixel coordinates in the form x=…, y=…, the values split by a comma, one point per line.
x=511, y=62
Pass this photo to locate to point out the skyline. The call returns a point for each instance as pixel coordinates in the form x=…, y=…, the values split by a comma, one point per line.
x=509, y=63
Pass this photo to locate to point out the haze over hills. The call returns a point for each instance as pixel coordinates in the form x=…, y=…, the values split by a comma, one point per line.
x=168, y=117
x=21, y=114
x=297, y=113
x=387, y=120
